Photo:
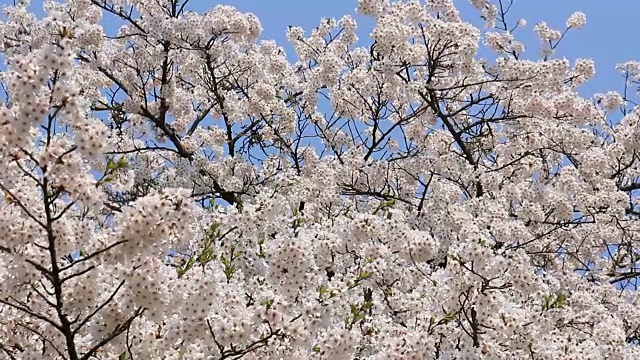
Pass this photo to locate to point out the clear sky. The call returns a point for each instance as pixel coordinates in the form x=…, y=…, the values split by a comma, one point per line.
x=609, y=36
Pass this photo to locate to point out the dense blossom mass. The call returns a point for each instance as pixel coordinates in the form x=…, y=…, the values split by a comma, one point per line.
x=182, y=189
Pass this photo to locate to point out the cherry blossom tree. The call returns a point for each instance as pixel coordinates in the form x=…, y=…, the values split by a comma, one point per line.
x=181, y=189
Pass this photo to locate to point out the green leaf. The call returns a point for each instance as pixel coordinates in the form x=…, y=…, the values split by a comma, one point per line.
x=548, y=302
x=323, y=290
x=122, y=163
x=364, y=275
x=561, y=301
x=451, y=315
x=110, y=164
x=268, y=303
x=387, y=203
x=123, y=356
x=355, y=309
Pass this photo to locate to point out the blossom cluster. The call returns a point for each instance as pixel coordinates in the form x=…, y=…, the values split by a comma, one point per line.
x=182, y=189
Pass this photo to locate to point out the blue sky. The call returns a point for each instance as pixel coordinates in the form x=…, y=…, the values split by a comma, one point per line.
x=608, y=37
x=605, y=38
